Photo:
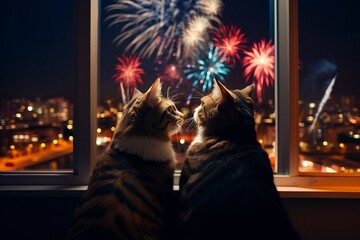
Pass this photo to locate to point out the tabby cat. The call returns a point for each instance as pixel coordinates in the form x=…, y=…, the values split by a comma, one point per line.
x=130, y=191
x=226, y=186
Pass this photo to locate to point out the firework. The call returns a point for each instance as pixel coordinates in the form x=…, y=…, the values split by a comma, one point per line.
x=259, y=63
x=128, y=72
x=196, y=33
x=212, y=6
x=157, y=27
x=170, y=74
x=323, y=102
x=230, y=40
x=210, y=64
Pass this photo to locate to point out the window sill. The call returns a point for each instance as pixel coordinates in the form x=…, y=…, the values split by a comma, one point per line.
x=319, y=192
x=77, y=191
x=42, y=191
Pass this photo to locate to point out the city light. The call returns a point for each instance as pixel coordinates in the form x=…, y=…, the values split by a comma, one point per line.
x=312, y=105
x=306, y=163
x=323, y=150
x=330, y=170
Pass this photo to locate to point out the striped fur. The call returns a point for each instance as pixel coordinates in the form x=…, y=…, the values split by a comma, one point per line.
x=130, y=191
x=226, y=185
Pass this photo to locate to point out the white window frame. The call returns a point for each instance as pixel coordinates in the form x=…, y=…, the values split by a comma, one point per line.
x=289, y=181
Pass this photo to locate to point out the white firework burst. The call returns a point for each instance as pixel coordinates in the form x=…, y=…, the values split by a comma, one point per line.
x=161, y=28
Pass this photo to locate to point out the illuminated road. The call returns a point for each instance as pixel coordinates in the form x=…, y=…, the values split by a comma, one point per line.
x=11, y=164
x=327, y=163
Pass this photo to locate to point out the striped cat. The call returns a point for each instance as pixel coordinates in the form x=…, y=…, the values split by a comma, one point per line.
x=226, y=185
x=130, y=191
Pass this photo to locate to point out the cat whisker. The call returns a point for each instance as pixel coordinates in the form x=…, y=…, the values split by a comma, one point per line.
x=189, y=120
x=168, y=92
x=200, y=93
x=174, y=97
x=191, y=124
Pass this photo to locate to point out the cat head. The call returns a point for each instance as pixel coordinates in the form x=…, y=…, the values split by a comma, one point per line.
x=227, y=114
x=149, y=114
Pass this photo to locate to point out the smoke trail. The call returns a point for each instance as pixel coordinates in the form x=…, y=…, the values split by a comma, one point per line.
x=315, y=78
x=123, y=96
x=323, y=102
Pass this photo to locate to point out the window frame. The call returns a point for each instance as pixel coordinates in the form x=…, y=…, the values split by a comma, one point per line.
x=86, y=25
x=86, y=99
x=287, y=108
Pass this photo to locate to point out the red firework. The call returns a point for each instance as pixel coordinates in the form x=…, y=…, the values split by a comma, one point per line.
x=170, y=74
x=230, y=41
x=259, y=63
x=128, y=72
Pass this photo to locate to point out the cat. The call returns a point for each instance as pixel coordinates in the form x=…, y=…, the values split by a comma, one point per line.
x=226, y=185
x=130, y=193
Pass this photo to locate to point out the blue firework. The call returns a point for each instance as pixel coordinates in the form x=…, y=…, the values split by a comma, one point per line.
x=157, y=27
x=209, y=65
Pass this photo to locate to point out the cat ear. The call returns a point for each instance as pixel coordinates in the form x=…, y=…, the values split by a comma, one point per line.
x=220, y=93
x=136, y=93
x=248, y=90
x=154, y=93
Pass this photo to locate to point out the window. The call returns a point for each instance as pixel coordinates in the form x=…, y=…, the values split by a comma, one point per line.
x=267, y=23
x=54, y=60
x=202, y=33
x=36, y=88
x=329, y=117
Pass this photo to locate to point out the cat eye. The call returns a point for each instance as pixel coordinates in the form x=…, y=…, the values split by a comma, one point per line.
x=171, y=109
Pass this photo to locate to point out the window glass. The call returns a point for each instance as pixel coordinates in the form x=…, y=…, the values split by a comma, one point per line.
x=329, y=117
x=186, y=44
x=36, y=86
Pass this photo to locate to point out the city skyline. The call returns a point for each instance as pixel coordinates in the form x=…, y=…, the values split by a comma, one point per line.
x=39, y=130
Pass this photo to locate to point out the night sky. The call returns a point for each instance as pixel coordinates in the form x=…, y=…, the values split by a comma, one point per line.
x=37, y=50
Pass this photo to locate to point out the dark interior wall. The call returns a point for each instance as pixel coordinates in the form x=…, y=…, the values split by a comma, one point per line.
x=35, y=217
x=328, y=219
x=50, y=217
